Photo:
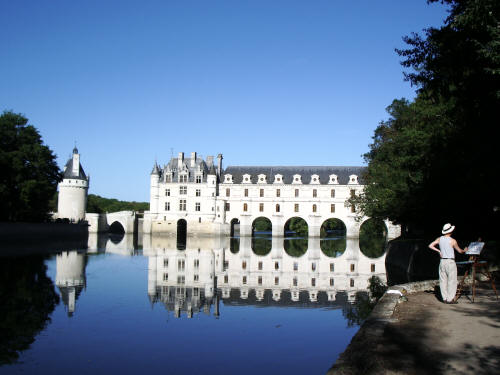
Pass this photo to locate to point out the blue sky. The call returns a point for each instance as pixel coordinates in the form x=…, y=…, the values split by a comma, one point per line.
x=262, y=82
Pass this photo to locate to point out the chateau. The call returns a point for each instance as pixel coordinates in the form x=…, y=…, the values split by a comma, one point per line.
x=200, y=197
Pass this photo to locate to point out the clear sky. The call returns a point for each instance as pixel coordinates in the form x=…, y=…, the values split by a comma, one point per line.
x=262, y=82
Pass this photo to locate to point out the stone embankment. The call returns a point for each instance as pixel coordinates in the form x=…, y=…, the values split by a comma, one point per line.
x=421, y=335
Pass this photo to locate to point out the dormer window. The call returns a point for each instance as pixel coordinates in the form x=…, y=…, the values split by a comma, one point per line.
x=314, y=179
x=228, y=179
x=183, y=178
x=333, y=179
x=278, y=179
x=297, y=179
x=262, y=179
x=353, y=180
x=247, y=179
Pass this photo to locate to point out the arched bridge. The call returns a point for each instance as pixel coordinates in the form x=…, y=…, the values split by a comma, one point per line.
x=119, y=222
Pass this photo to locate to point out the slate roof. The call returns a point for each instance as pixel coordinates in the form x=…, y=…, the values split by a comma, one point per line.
x=68, y=171
x=287, y=172
x=172, y=166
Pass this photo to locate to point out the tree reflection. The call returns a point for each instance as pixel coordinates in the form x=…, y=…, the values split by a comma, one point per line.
x=296, y=247
x=234, y=245
x=28, y=298
x=261, y=245
x=373, y=238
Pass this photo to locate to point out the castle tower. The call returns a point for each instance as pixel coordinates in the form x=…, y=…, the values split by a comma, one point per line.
x=73, y=190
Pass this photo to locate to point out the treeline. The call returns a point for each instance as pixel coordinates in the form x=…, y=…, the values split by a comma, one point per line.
x=98, y=204
x=435, y=160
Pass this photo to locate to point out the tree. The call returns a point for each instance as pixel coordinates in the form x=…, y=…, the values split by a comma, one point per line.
x=435, y=159
x=29, y=171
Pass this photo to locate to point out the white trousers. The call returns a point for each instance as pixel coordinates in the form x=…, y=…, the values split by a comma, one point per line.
x=448, y=279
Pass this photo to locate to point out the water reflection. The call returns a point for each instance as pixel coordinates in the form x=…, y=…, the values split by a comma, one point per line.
x=70, y=277
x=257, y=271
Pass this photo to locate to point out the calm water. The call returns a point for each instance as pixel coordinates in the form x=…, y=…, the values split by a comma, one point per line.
x=218, y=306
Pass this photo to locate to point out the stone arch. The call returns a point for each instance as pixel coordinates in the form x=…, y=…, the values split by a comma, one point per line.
x=296, y=226
x=116, y=227
x=235, y=227
x=181, y=234
x=333, y=237
x=262, y=226
x=373, y=238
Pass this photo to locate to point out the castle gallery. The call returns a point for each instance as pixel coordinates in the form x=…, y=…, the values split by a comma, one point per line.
x=202, y=197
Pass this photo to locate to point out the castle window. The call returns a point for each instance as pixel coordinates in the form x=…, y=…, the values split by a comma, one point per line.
x=183, y=178
x=276, y=280
x=296, y=207
x=165, y=263
x=167, y=192
x=332, y=193
x=276, y=265
x=198, y=192
x=277, y=208
x=183, y=190
x=168, y=178
x=295, y=266
x=261, y=207
x=244, y=265
x=198, y=179
x=352, y=282
x=313, y=282
x=313, y=266
x=182, y=205
x=246, y=192
x=181, y=264
x=261, y=192
x=353, y=208
x=165, y=277
x=332, y=267
x=228, y=192
x=315, y=208
x=372, y=267
x=295, y=281
x=278, y=192
x=245, y=207
x=296, y=193
x=196, y=277
x=331, y=281
x=226, y=279
x=197, y=206
x=181, y=280
x=167, y=206
x=315, y=193
x=352, y=267
x=260, y=266
x=353, y=193
x=196, y=263
x=332, y=208
x=259, y=280
x=228, y=206
x=244, y=280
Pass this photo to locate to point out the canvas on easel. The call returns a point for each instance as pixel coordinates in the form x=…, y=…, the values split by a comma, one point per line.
x=475, y=248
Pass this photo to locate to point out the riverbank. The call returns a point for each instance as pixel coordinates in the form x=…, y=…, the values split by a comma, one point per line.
x=425, y=336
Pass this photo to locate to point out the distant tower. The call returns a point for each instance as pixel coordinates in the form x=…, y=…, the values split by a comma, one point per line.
x=73, y=190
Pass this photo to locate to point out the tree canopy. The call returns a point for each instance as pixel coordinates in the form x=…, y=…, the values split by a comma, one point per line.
x=98, y=204
x=435, y=159
x=29, y=171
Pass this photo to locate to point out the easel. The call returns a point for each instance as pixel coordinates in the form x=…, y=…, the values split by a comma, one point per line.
x=475, y=266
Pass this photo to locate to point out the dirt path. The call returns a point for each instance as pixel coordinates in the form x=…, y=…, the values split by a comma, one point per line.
x=429, y=337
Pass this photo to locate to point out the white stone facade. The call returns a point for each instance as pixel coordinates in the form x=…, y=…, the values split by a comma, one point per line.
x=210, y=199
x=73, y=190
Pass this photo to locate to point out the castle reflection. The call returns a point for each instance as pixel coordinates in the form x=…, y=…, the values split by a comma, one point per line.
x=235, y=271
x=213, y=269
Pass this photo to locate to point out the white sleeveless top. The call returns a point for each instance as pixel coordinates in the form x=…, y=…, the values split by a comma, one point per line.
x=446, y=248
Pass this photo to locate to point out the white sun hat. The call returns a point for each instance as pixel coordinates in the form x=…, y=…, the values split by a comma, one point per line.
x=448, y=228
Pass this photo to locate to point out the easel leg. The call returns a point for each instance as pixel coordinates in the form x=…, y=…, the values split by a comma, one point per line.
x=473, y=282
x=461, y=286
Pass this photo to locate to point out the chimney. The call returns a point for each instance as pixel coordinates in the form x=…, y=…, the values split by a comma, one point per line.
x=210, y=161
x=219, y=165
x=180, y=160
x=193, y=159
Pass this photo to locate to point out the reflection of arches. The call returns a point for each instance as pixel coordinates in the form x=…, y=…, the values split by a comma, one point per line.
x=373, y=238
x=262, y=226
x=261, y=245
x=333, y=237
x=181, y=234
x=117, y=228
x=235, y=228
x=295, y=247
x=296, y=227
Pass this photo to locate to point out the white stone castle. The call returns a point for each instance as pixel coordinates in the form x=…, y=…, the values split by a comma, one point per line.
x=205, y=198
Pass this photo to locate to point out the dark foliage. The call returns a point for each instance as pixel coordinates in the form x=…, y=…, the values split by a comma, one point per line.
x=29, y=173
